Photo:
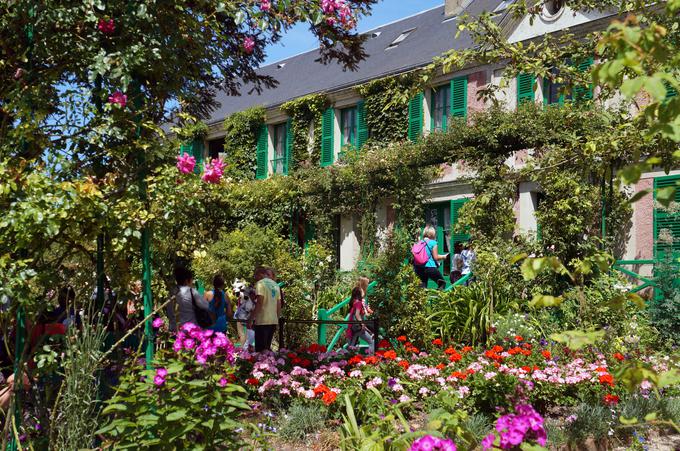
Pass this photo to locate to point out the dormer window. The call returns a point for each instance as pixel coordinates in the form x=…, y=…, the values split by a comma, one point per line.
x=552, y=9
x=400, y=38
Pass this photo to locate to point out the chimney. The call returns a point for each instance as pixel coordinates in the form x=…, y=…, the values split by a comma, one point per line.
x=454, y=7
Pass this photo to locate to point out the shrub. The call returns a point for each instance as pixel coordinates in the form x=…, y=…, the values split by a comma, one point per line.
x=589, y=421
x=301, y=419
x=664, y=308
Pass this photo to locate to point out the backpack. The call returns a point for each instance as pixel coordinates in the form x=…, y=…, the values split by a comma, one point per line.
x=421, y=253
x=203, y=318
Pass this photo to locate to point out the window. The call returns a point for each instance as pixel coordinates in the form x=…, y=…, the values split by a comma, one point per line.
x=348, y=127
x=552, y=9
x=440, y=107
x=400, y=38
x=551, y=90
x=279, y=165
x=216, y=147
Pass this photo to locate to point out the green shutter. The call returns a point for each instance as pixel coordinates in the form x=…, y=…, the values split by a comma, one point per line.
x=262, y=152
x=327, y=128
x=287, y=163
x=415, y=117
x=457, y=236
x=459, y=97
x=582, y=92
x=670, y=92
x=525, y=88
x=667, y=220
x=197, y=147
x=362, y=127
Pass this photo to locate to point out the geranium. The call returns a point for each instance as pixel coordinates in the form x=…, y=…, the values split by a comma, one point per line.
x=186, y=163
x=430, y=443
x=618, y=356
x=611, y=400
x=329, y=397
x=402, y=338
x=249, y=44
x=545, y=353
x=390, y=355
x=437, y=342
x=252, y=381
x=607, y=379
x=213, y=171
x=525, y=425
x=107, y=27
x=118, y=98
x=404, y=364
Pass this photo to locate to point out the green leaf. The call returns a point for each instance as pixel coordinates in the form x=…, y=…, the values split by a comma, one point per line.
x=176, y=415
x=628, y=421
x=115, y=408
x=544, y=300
x=631, y=174
x=665, y=195
x=577, y=339
x=518, y=257
x=631, y=86
x=639, y=195
x=668, y=378
x=651, y=416
x=636, y=299
x=239, y=17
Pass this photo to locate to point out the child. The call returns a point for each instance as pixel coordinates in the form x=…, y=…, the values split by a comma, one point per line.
x=362, y=283
x=358, y=313
x=246, y=297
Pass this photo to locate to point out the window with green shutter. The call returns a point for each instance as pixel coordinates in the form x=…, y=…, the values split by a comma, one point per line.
x=459, y=97
x=195, y=149
x=439, y=108
x=456, y=235
x=262, y=153
x=415, y=117
x=327, y=126
x=666, y=220
x=280, y=160
x=289, y=145
x=583, y=93
x=362, y=126
x=525, y=88
x=553, y=93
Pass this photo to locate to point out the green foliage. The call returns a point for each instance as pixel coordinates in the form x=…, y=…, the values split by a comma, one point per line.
x=190, y=410
x=305, y=113
x=301, y=419
x=591, y=421
x=240, y=142
x=387, y=108
x=191, y=130
x=664, y=307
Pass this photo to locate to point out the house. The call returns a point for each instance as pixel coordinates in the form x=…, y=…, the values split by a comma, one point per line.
x=400, y=47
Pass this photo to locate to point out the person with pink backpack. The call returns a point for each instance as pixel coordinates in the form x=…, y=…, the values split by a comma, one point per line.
x=426, y=259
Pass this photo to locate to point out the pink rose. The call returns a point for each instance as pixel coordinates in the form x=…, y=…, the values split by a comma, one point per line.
x=249, y=44
x=118, y=98
x=213, y=171
x=265, y=5
x=186, y=163
x=107, y=27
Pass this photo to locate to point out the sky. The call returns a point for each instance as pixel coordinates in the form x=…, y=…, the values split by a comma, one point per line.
x=299, y=39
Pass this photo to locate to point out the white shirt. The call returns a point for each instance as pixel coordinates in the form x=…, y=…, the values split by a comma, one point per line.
x=469, y=258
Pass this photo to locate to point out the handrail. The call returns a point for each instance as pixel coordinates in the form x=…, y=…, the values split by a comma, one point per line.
x=338, y=334
x=345, y=302
x=648, y=282
x=459, y=282
x=325, y=314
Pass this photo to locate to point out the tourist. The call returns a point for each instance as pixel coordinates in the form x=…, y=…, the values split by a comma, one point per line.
x=358, y=313
x=265, y=317
x=220, y=306
x=469, y=257
x=427, y=248
x=457, y=263
x=362, y=284
x=246, y=298
x=189, y=301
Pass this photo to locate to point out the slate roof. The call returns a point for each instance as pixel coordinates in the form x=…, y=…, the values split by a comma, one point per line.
x=302, y=75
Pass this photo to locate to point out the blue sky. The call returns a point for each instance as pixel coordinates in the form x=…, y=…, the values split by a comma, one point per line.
x=299, y=39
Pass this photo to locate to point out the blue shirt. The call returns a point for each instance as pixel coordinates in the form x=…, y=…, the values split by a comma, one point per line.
x=431, y=263
x=220, y=313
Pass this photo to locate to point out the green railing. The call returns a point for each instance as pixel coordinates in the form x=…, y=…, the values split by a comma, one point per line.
x=459, y=282
x=326, y=314
x=647, y=281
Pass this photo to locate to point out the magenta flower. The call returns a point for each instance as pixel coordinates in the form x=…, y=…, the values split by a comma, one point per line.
x=158, y=381
x=162, y=372
x=487, y=442
x=265, y=5
x=178, y=345
x=118, y=98
x=189, y=344
x=108, y=27
x=431, y=443
x=186, y=163
x=158, y=323
x=213, y=171
x=249, y=44
x=222, y=382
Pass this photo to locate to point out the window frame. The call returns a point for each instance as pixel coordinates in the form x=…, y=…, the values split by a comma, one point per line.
x=280, y=134
x=445, y=92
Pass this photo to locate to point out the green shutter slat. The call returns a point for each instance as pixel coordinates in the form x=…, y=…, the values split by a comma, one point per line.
x=582, y=92
x=525, y=88
x=459, y=97
x=415, y=117
x=362, y=127
x=262, y=152
x=670, y=92
x=197, y=151
x=667, y=220
x=327, y=127
x=457, y=237
x=287, y=163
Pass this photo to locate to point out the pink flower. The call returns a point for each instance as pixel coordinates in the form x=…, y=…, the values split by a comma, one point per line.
x=158, y=323
x=222, y=382
x=118, y=98
x=249, y=44
x=106, y=26
x=265, y=5
x=186, y=163
x=487, y=442
x=162, y=372
x=158, y=381
x=213, y=171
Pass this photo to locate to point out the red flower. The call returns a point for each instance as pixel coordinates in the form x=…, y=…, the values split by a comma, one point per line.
x=402, y=338
x=118, y=98
x=440, y=367
x=305, y=363
x=600, y=369
x=607, y=379
x=437, y=342
x=354, y=360
x=526, y=369
x=371, y=360
x=329, y=397
x=467, y=349
x=470, y=371
x=545, y=353
x=611, y=400
x=252, y=381
x=249, y=44
x=292, y=355
x=514, y=351
x=321, y=389
x=390, y=355
x=106, y=26
x=404, y=364
x=497, y=349
x=455, y=357
x=618, y=356
x=459, y=375
x=518, y=338
x=384, y=344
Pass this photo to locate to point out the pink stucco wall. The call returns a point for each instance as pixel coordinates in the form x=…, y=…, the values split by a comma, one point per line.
x=476, y=82
x=643, y=212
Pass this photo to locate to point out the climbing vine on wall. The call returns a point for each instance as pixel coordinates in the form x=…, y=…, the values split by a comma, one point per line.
x=306, y=112
x=240, y=142
x=387, y=107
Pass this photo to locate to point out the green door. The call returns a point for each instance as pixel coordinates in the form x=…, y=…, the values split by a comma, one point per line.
x=439, y=216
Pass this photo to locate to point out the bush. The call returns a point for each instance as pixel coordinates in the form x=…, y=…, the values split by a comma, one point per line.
x=589, y=421
x=664, y=308
x=301, y=419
